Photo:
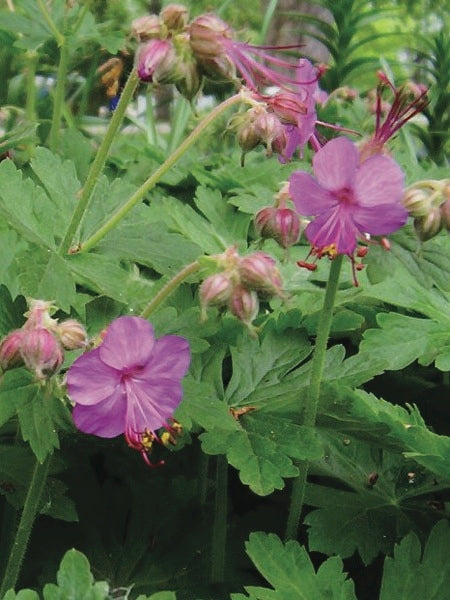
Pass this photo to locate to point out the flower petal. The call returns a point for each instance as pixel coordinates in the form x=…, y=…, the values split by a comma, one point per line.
x=151, y=405
x=170, y=359
x=381, y=219
x=128, y=343
x=334, y=227
x=335, y=164
x=106, y=419
x=89, y=380
x=308, y=196
x=379, y=180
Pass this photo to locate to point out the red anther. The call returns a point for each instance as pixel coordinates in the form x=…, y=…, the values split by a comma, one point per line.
x=362, y=251
x=306, y=265
x=385, y=243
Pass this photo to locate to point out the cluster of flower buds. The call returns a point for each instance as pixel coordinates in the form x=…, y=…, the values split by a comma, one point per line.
x=428, y=202
x=40, y=343
x=240, y=283
x=174, y=50
x=279, y=222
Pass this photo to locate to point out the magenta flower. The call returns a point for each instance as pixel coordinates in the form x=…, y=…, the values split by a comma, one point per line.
x=130, y=384
x=347, y=198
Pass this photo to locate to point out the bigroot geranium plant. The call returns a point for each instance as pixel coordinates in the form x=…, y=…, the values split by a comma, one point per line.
x=182, y=376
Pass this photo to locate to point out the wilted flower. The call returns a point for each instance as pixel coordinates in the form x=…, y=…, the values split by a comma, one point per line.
x=215, y=48
x=347, y=198
x=409, y=100
x=175, y=17
x=130, y=384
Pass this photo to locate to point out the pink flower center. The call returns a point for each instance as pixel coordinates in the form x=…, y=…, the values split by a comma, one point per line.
x=346, y=196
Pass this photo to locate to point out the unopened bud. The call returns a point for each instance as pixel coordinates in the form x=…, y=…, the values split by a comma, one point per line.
x=417, y=201
x=38, y=315
x=10, y=355
x=41, y=352
x=156, y=61
x=280, y=224
x=259, y=272
x=175, y=17
x=216, y=290
x=146, y=28
x=429, y=226
x=206, y=34
x=269, y=129
x=71, y=334
x=244, y=304
x=445, y=214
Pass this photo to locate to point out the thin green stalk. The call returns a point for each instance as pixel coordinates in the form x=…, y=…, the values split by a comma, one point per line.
x=100, y=159
x=26, y=522
x=30, y=105
x=59, y=96
x=162, y=170
x=48, y=19
x=169, y=287
x=313, y=393
x=220, y=522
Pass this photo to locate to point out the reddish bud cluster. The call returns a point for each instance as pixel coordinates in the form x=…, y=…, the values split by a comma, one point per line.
x=240, y=284
x=39, y=345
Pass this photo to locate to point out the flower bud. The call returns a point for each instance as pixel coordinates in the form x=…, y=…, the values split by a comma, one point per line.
x=428, y=226
x=10, y=355
x=280, y=224
x=175, y=17
x=417, y=201
x=216, y=290
x=38, y=315
x=244, y=304
x=71, y=334
x=258, y=272
x=41, y=352
x=156, y=61
x=270, y=131
x=206, y=33
x=188, y=78
x=445, y=214
x=146, y=28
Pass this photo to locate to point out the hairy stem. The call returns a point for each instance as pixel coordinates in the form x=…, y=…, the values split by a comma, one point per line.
x=99, y=161
x=313, y=393
x=19, y=547
x=59, y=96
x=169, y=287
x=139, y=195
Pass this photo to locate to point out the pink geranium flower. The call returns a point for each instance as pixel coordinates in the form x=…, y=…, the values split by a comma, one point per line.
x=130, y=384
x=347, y=198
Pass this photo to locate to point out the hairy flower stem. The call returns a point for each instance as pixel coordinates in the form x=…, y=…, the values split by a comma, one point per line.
x=219, y=537
x=30, y=104
x=169, y=287
x=26, y=522
x=99, y=161
x=313, y=393
x=59, y=96
x=48, y=19
x=203, y=479
x=139, y=195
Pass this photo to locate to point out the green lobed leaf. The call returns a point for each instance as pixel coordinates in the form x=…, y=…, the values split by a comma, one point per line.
x=289, y=570
x=75, y=580
x=409, y=575
x=426, y=340
x=39, y=413
x=379, y=497
x=21, y=595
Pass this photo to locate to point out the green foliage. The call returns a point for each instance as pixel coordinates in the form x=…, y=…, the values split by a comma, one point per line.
x=411, y=574
x=289, y=570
